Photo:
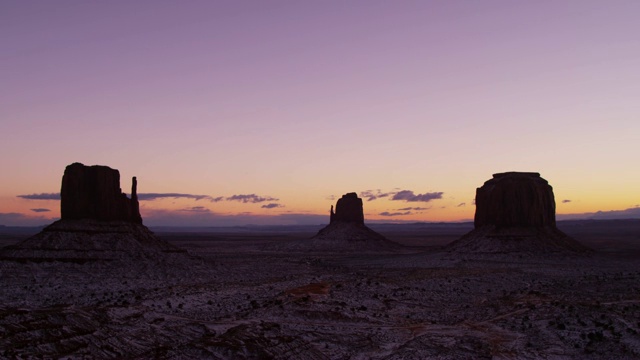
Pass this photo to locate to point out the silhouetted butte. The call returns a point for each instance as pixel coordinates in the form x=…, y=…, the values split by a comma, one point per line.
x=98, y=222
x=515, y=212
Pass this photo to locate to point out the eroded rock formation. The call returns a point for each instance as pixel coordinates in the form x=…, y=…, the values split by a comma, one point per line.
x=347, y=232
x=515, y=199
x=98, y=222
x=93, y=192
x=515, y=212
x=348, y=209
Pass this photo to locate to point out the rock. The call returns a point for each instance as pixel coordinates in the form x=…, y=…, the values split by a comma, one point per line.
x=346, y=232
x=515, y=199
x=348, y=209
x=99, y=223
x=93, y=192
x=515, y=212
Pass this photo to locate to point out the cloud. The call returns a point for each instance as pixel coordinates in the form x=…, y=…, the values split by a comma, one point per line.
x=39, y=210
x=155, y=196
x=271, y=206
x=330, y=197
x=200, y=209
x=243, y=198
x=386, y=213
x=371, y=195
x=566, y=201
x=164, y=217
x=250, y=198
x=41, y=196
x=415, y=208
x=462, y=204
x=409, y=196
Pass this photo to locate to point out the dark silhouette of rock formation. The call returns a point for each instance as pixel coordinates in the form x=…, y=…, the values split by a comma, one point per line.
x=515, y=199
x=515, y=212
x=348, y=209
x=93, y=192
x=98, y=222
x=346, y=232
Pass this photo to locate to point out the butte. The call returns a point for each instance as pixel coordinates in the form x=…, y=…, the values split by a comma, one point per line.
x=346, y=232
x=98, y=223
x=515, y=213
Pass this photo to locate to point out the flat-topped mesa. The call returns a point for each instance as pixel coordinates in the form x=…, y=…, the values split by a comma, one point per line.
x=348, y=209
x=515, y=199
x=346, y=231
x=93, y=192
x=99, y=223
x=515, y=213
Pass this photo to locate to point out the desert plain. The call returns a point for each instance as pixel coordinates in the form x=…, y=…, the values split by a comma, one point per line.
x=236, y=293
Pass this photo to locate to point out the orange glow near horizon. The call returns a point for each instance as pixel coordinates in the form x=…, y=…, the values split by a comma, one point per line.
x=269, y=100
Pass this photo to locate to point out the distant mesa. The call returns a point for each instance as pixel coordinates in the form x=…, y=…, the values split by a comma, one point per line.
x=515, y=212
x=346, y=232
x=93, y=192
x=98, y=222
x=348, y=210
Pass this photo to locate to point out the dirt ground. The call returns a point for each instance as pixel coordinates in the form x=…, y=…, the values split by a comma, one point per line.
x=234, y=298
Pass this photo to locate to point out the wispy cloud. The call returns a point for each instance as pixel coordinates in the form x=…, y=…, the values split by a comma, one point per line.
x=272, y=206
x=371, y=195
x=41, y=196
x=462, y=204
x=386, y=213
x=243, y=198
x=164, y=217
x=400, y=195
x=155, y=196
x=39, y=210
x=566, y=201
x=250, y=198
x=199, y=209
x=415, y=208
x=410, y=196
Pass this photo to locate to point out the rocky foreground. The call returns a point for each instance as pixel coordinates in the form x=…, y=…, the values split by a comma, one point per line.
x=238, y=301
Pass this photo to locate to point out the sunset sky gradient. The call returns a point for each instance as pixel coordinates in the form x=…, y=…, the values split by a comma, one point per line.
x=299, y=102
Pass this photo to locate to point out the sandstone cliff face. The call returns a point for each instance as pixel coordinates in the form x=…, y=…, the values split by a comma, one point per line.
x=515, y=199
x=348, y=209
x=515, y=213
x=93, y=192
x=346, y=231
x=99, y=223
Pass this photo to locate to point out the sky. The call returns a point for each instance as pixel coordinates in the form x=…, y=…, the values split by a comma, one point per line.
x=266, y=112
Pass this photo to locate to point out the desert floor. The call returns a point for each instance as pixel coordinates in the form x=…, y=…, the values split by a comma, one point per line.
x=236, y=297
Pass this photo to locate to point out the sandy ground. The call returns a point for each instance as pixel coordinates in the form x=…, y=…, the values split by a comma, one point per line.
x=234, y=298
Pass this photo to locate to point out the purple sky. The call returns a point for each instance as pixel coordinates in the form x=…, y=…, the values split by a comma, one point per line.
x=302, y=101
